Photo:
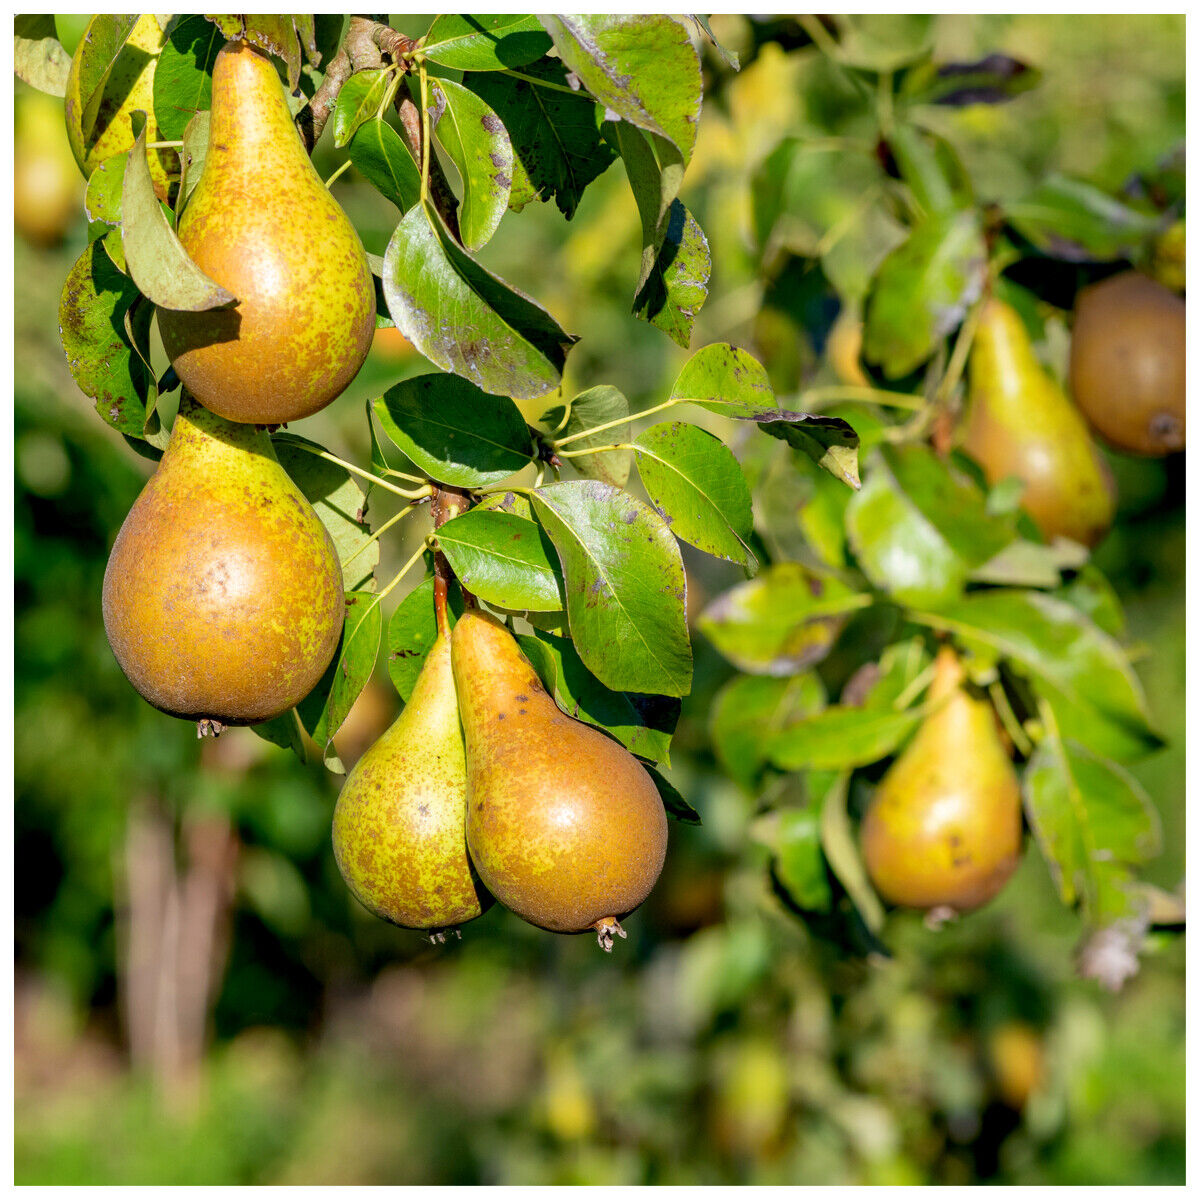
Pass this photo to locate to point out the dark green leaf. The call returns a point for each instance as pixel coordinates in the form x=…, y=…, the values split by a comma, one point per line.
x=784, y=620
x=157, y=261
x=1093, y=595
x=478, y=145
x=923, y=290
x=642, y=724
x=378, y=151
x=489, y=42
x=557, y=147
x=338, y=501
x=695, y=482
x=454, y=432
x=598, y=406
x=466, y=320
x=504, y=559
x=644, y=68
x=358, y=102
x=285, y=731
x=100, y=356
x=829, y=441
x=38, y=56
x=993, y=79
x=793, y=834
x=677, y=807
x=750, y=709
x=625, y=586
x=183, y=73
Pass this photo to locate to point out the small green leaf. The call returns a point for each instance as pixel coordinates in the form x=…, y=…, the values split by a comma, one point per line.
x=695, y=482
x=784, y=620
x=643, y=724
x=183, y=74
x=625, y=586
x=102, y=200
x=504, y=559
x=466, y=320
x=454, y=432
x=379, y=152
x=490, y=42
x=157, y=261
x=358, y=102
x=597, y=406
x=478, y=145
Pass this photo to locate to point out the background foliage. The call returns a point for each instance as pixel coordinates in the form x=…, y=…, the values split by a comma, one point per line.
x=726, y=1041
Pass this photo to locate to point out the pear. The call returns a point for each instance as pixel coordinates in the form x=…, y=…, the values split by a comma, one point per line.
x=1021, y=423
x=107, y=116
x=943, y=828
x=223, y=596
x=1128, y=363
x=399, y=828
x=263, y=225
x=564, y=825
x=47, y=190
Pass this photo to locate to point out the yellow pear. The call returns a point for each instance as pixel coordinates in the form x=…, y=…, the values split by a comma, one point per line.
x=223, y=598
x=1021, y=423
x=399, y=828
x=944, y=825
x=263, y=225
x=47, y=190
x=564, y=825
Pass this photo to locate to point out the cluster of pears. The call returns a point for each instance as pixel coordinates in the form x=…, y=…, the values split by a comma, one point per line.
x=223, y=595
x=943, y=828
x=484, y=788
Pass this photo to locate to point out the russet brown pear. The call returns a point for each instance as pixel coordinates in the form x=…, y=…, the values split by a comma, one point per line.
x=223, y=595
x=399, y=828
x=263, y=225
x=944, y=825
x=564, y=825
x=1020, y=422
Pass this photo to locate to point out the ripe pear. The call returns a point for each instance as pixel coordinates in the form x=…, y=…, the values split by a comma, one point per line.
x=944, y=825
x=47, y=190
x=223, y=598
x=1128, y=363
x=263, y=225
x=1021, y=423
x=564, y=825
x=399, y=828
x=100, y=126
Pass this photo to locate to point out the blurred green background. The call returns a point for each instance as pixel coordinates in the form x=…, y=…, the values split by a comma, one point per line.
x=199, y=999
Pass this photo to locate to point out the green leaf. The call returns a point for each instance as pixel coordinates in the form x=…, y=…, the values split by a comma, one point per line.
x=1070, y=219
x=1094, y=596
x=923, y=289
x=453, y=432
x=183, y=74
x=839, y=738
x=625, y=586
x=695, y=482
x=677, y=807
x=730, y=57
x=993, y=79
x=597, y=406
x=285, y=731
x=466, y=320
x=96, y=300
x=750, y=709
x=410, y=636
x=102, y=200
x=784, y=620
x=841, y=851
x=504, y=559
x=884, y=41
x=918, y=527
x=379, y=152
x=327, y=706
x=195, y=151
x=338, y=501
x=557, y=147
x=793, y=834
x=38, y=56
x=1092, y=821
x=644, y=68
x=358, y=102
x=157, y=261
x=829, y=441
x=508, y=502
x=643, y=724
x=306, y=30
x=1076, y=667
x=478, y=145
x=490, y=42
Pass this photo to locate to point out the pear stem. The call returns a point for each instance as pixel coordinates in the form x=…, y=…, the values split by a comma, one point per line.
x=340, y=171
x=420, y=551
x=424, y=134
x=419, y=494
x=596, y=450
x=404, y=512
x=1008, y=719
x=605, y=929
x=817, y=398
x=574, y=437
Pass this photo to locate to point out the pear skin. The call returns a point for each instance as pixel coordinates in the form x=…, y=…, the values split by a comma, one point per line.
x=263, y=225
x=944, y=825
x=399, y=828
x=564, y=825
x=1128, y=363
x=1020, y=423
x=223, y=595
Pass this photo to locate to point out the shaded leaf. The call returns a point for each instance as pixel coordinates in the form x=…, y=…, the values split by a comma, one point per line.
x=488, y=42
x=678, y=809
x=412, y=631
x=183, y=73
x=379, y=152
x=597, y=406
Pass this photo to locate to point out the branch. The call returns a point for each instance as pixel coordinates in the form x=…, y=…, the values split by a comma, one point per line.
x=440, y=192
x=447, y=504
